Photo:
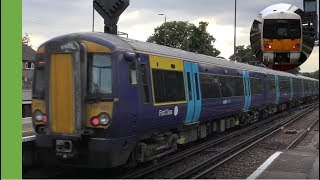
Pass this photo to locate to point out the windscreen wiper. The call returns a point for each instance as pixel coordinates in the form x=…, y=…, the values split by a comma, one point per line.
x=96, y=91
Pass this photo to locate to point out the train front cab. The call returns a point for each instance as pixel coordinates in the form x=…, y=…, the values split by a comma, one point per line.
x=75, y=105
x=281, y=39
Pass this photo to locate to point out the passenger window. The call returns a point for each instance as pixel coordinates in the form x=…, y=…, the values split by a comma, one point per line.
x=168, y=86
x=285, y=84
x=214, y=86
x=209, y=86
x=133, y=73
x=230, y=86
x=256, y=86
x=305, y=85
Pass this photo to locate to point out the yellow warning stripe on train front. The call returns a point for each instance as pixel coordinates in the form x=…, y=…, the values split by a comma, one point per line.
x=96, y=48
x=282, y=45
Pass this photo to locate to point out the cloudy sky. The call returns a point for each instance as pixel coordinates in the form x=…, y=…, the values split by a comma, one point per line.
x=45, y=19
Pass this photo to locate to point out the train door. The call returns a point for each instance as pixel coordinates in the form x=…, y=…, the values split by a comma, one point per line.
x=131, y=99
x=192, y=83
x=276, y=78
x=66, y=87
x=247, y=91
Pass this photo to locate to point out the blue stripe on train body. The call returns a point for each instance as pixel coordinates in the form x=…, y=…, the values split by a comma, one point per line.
x=247, y=91
x=193, y=89
x=249, y=88
x=197, y=91
x=189, y=89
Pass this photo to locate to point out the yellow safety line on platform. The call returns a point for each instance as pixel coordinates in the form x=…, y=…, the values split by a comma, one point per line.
x=28, y=130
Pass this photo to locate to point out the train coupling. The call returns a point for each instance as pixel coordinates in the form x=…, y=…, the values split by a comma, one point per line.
x=64, y=149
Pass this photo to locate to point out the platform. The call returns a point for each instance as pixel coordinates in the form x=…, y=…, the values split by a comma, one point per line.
x=289, y=164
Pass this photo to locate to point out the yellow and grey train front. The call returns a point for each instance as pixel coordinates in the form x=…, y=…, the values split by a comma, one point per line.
x=73, y=103
x=281, y=39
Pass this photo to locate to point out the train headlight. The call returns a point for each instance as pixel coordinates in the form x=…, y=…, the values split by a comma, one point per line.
x=268, y=46
x=296, y=46
x=38, y=116
x=104, y=119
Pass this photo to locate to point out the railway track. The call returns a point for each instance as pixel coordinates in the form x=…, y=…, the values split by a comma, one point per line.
x=214, y=162
x=143, y=172
x=302, y=135
x=162, y=163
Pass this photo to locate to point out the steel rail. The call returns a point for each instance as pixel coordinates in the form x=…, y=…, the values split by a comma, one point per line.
x=191, y=151
x=302, y=135
x=202, y=168
x=200, y=174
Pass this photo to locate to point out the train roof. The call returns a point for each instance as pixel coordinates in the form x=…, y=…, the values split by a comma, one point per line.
x=281, y=15
x=125, y=44
x=307, y=78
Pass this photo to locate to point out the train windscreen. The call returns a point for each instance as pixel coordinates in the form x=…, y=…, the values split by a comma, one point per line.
x=40, y=78
x=99, y=75
x=282, y=29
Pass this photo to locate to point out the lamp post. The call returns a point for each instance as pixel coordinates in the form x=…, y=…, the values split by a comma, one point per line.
x=92, y=19
x=165, y=20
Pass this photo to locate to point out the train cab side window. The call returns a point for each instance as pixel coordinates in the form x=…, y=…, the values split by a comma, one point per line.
x=132, y=73
x=168, y=86
x=144, y=84
x=40, y=78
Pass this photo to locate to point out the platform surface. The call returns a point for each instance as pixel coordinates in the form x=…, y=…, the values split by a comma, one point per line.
x=289, y=164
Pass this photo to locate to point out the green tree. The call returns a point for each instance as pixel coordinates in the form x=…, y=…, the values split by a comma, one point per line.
x=314, y=74
x=186, y=36
x=295, y=70
x=243, y=54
